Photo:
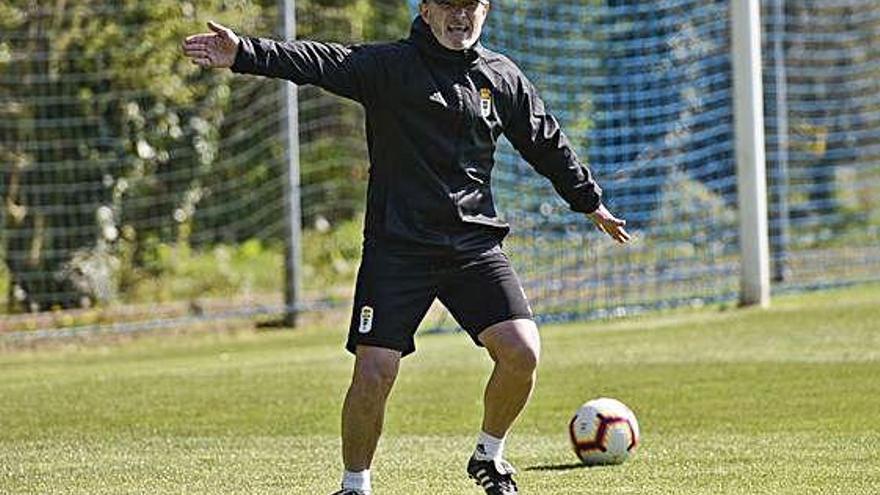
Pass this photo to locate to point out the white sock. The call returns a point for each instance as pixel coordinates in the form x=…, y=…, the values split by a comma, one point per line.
x=359, y=480
x=488, y=447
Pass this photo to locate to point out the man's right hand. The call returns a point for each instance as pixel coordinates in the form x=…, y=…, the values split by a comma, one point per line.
x=213, y=50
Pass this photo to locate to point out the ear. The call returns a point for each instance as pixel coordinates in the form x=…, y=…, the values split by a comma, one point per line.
x=423, y=10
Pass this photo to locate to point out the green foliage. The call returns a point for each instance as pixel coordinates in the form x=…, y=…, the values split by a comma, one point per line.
x=352, y=21
x=140, y=103
x=176, y=272
x=173, y=272
x=334, y=173
x=331, y=255
x=154, y=145
x=4, y=282
x=333, y=156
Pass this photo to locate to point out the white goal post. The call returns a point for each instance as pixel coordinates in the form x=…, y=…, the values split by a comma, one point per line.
x=292, y=193
x=750, y=154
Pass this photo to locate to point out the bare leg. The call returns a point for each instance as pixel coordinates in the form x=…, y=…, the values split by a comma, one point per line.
x=515, y=347
x=363, y=413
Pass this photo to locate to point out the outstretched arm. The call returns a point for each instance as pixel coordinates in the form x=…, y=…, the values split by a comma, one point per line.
x=537, y=136
x=342, y=70
x=216, y=49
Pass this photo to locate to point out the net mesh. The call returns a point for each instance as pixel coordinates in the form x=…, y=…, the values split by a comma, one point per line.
x=129, y=176
x=138, y=189
x=822, y=86
x=644, y=92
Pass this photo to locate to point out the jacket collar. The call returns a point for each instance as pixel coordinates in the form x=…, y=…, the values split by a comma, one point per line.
x=427, y=43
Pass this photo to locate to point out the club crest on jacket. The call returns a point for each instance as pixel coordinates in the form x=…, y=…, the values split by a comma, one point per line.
x=485, y=102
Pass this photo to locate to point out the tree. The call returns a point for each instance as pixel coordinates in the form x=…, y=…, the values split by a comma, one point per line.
x=97, y=100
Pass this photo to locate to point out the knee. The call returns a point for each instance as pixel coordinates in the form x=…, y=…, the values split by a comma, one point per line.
x=519, y=356
x=514, y=345
x=374, y=376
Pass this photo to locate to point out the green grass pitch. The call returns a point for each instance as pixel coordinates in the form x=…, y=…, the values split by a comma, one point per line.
x=783, y=401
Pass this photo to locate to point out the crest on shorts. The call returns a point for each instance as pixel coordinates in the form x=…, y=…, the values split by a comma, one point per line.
x=366, y=320
x=485, y=102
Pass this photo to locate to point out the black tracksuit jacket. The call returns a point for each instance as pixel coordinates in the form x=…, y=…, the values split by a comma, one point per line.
x=433, y=117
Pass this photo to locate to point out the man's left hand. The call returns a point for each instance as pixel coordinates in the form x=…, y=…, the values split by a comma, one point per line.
x=611, y=225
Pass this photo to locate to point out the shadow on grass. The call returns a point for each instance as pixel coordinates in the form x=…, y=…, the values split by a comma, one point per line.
x=556, y=467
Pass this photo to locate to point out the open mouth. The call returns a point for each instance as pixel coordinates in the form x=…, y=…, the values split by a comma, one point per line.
x=458, y=29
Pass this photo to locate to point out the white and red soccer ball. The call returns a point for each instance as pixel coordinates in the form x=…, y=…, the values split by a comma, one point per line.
x=604, y=431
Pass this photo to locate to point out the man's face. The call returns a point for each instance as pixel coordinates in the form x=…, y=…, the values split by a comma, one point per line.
x=456, y=24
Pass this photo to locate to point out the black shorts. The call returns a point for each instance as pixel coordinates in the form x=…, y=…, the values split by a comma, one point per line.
x=396, y=286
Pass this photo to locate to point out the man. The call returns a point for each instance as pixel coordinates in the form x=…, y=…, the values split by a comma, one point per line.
x=435, y=106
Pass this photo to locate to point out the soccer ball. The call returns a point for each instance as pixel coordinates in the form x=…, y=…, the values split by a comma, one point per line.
x=604, y=431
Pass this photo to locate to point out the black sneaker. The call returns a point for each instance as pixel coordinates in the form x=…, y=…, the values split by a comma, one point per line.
x=494, y=476
x=350, y=491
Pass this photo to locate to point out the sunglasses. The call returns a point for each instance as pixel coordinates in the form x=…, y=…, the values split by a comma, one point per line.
x=466, y=4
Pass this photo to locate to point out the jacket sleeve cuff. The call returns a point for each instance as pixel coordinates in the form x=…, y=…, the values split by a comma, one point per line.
x=244, y=57
x=588, y=198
